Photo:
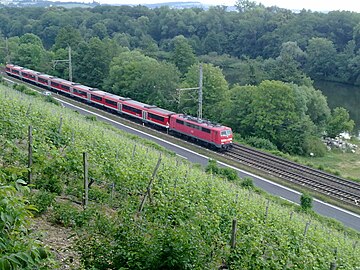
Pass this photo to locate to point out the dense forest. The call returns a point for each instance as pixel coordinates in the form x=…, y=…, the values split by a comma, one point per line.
x=259, y=63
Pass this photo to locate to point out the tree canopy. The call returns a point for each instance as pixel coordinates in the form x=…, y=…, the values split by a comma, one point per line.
x=268, y=56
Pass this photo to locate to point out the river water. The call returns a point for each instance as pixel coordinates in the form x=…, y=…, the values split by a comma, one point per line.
x=343, y=95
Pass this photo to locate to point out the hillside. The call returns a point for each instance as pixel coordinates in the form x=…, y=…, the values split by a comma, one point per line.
x=148, y=209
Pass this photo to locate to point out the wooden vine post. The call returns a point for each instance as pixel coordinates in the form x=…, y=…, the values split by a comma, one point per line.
x=60, y=125
x=148, y=190
x=86, y=181
x=333, y=264
x=233, y=233
x=30, y=161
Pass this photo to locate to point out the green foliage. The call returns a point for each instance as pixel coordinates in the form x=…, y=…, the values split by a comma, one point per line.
x=228, y=173
x=261, y=143
x=320, y=57
x=182, y=55
x=315, y=146
x=52, y=100
x=50, y=182
x=279, y=113
x=91, y=118
x=247, y=183
x=42, y=200
x=306, y=202
x=215, y=92
x=67, y=215
x=339, y=122
x=142, y=78
x=17, y=249
x=186, y=220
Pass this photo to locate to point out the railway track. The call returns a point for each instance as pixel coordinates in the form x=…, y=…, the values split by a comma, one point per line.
x=319, y=181
x=330, y=185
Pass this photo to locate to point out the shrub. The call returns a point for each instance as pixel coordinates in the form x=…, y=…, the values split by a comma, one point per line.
x=261, y=143
x=228, y=173
x=42, y=200
x=64, y=214
x=315, y=146
x=306, y=202
x=67, y=215
x=50, y=183
x=52, y=100
x=212, y=167
x=247, y=183
x=91, y=118
x=18, y=250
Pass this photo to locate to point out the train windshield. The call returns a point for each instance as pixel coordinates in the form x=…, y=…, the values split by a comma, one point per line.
x=226, y=133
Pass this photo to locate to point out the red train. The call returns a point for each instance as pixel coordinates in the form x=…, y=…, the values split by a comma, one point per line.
x=210, y=134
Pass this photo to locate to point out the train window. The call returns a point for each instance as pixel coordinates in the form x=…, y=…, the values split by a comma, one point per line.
x=54, y=84
x=206, y=130
x=192, y=125
x=7, y=69
x=131, y=109
x=16, y=71
x=110, y=102
x=65, y=87
x=96, y=97
x=42, y=80
x=81, y=93
x=179, y=121
x=156, y=117
x=225, y=133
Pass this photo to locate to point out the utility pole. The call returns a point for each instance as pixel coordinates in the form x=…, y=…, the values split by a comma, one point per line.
x=200, y=93
x=70, y=65
x=68, y=61
x=7, y=57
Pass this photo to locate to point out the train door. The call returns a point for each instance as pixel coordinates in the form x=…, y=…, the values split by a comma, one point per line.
x=213, y=135
x=144, y=114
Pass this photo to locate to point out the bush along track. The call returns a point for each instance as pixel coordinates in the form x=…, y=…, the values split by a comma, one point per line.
x=149, y=210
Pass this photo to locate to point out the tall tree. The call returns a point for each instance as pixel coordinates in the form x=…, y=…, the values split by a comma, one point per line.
x=68, y=36
x=182, y=55
x=275, y=111
x=143, y=78
x=91, y=62
x=215, y=92
x=339, y=122
x=321, y=62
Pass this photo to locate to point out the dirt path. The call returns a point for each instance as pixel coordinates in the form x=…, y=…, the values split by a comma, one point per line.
x=59, y=240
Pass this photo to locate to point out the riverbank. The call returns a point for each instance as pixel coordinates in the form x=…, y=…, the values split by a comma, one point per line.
x=344, y=164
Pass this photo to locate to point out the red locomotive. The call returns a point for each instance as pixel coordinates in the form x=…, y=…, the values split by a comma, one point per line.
x=210, y=134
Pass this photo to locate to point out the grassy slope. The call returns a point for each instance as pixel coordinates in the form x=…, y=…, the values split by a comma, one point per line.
x=344, y=164
x=189, y=215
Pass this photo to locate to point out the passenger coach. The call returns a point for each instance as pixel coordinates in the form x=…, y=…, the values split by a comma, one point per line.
x=200, y=130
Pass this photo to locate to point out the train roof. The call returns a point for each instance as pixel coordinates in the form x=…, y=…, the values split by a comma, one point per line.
x=28, y=70
x=58, y=80
x=83, y=87
x=45, y=75
x=109, y=95
x=137, y=103
x=201, y=122
x=15, y=66
x=159, y=110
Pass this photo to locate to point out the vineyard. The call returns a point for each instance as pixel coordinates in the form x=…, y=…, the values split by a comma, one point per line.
x=147, y=208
